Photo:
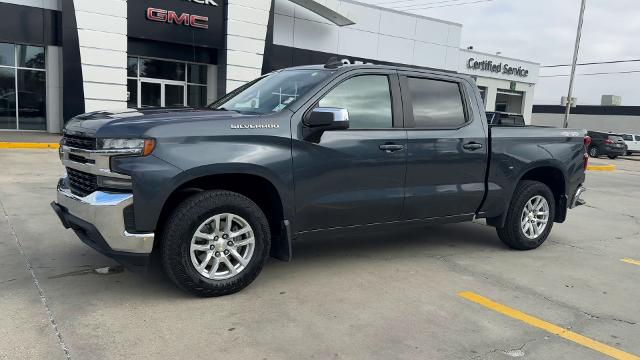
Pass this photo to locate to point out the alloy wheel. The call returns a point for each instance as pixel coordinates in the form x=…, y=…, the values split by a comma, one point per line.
x=222, y=246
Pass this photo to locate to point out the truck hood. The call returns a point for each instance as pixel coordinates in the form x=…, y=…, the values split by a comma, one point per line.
x=136, y=121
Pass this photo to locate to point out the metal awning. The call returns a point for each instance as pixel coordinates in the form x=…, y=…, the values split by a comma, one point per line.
x=325, y=12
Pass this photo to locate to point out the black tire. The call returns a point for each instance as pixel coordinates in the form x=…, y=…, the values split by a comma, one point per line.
x=612, y=156
x=594, y=152
x=185, y=220
x=512, y=234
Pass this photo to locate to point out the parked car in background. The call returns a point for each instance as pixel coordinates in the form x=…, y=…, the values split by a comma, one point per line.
x=610, y=145
x=504, y=119
x=633, y=143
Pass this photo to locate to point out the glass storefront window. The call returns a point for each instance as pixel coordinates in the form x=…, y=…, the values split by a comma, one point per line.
x=151, y=94
x=132, y=66
x=23, y=87
x=7, y=98
x=160, y=69
x=32, y=92
x=132, y=90
x=154, y=82
x=197, y=74
x=7, y=54
x=30, y=56
x=197, y=96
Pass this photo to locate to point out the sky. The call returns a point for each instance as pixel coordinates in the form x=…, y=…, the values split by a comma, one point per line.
x=544, y=31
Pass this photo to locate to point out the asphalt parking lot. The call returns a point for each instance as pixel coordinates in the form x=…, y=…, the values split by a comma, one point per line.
x=444, y=292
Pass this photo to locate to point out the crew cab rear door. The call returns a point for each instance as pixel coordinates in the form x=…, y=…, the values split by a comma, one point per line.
x=355, y=176
x=447, y=146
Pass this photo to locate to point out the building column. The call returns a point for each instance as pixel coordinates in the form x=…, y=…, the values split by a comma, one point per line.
x=53, y=67
x=102, y=36
x=246, y=26
x=492, y=93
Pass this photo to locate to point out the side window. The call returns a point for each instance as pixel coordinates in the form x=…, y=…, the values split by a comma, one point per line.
x=637, y=137
x=367, y=98
x=436, y=103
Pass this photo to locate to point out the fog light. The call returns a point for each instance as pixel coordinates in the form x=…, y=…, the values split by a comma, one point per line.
x=114, y=183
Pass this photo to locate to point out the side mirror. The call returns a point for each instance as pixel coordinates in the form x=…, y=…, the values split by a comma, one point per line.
x=324, y=119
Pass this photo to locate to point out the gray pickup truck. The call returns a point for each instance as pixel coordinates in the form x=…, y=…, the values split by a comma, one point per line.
x=307, y=150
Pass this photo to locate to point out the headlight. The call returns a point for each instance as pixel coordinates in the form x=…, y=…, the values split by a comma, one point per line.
x=141, y=147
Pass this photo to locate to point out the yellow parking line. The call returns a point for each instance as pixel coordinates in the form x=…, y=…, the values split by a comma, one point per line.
x=24, y=145
x=551, y=328
x=601, y=167
x=631, y=261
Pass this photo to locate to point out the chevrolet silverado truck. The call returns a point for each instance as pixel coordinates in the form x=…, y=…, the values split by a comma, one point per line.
x=307, y=150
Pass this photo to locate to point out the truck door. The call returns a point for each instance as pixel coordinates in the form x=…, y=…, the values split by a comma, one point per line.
x=355, y=176
x=447, y=147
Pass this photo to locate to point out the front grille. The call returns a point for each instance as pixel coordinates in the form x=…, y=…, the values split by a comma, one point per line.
x=81, y=183
x=80, y=142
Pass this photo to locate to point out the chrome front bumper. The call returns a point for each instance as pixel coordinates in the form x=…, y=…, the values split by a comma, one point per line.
x=104, y=210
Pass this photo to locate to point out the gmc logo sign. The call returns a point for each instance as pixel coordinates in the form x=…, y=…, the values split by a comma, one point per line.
x=171, y=17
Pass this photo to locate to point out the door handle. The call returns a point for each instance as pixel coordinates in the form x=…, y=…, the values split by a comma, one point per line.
x=390, y=148
x=472, y=146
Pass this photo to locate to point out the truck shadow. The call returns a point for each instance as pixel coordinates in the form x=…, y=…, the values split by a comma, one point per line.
x=315, y=253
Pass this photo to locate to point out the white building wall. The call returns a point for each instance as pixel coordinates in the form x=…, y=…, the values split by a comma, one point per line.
x=102, y=35
x=378, y=34
x=247, y=22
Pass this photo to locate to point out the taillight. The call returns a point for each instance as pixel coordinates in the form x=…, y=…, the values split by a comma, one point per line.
x=608, y=141
x=587, y=142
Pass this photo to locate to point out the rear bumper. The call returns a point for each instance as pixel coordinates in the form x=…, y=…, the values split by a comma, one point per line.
x=98, y=220
x=614, y=151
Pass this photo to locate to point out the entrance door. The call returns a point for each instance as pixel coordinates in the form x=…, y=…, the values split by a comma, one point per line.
x=161, y=93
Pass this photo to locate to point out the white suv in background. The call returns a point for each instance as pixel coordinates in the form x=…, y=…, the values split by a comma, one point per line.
x=633, y=143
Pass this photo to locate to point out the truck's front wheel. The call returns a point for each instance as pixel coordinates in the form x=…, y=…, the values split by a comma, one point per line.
x=215, y=243
x=530, y=216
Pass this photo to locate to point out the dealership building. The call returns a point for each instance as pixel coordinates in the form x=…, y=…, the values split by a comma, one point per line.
x=61, y=58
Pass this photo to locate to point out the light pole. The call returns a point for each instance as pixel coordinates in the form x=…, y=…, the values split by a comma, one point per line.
x=573, y=65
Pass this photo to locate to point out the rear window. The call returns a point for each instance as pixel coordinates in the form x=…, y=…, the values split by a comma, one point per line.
x=436, y=104
x=615, y=138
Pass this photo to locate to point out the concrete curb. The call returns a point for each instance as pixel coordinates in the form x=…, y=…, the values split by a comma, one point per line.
x=601, y=167
x=27, y=145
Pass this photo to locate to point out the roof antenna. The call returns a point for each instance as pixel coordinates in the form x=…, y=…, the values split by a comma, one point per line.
x=333, y=63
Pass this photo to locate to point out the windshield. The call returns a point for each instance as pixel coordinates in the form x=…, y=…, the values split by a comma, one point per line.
x=271, y=93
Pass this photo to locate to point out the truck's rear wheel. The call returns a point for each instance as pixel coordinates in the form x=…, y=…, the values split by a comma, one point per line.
x=215, y=243
x=530, y=216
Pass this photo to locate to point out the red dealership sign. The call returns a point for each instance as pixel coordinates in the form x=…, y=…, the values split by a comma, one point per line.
x=171, y=17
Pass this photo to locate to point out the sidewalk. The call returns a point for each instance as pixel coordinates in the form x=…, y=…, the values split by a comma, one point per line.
x=28, y=140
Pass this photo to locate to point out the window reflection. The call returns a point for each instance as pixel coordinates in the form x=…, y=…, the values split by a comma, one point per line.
x=7, y=98
x=366, y=98
x=32, y=90
x=436, y=103
x=30, y=56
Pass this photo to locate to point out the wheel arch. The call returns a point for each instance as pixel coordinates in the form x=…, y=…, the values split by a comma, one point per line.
x=260, y=187
x=549, y=173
